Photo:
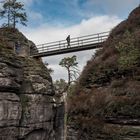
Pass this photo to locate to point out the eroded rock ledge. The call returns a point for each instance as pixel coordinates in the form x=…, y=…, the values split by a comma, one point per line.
x=27, y=106
x=106, y=103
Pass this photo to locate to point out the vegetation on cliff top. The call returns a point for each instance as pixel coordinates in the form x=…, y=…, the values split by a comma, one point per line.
x=109, y=86
x=13, y=12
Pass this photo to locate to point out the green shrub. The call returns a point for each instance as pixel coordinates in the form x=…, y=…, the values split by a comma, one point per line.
x=129, y=54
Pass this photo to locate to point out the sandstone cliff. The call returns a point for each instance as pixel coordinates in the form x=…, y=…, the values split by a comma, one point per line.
x=106, y=103
x=27, y=107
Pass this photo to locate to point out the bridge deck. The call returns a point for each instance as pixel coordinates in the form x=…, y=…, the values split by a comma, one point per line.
x=76, y=44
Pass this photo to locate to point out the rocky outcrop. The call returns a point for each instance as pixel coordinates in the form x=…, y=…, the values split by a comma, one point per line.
x=106, y=104
x=27, y=105
x=59, y=121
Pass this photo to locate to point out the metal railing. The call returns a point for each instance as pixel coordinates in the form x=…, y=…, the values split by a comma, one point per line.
x=74, y=43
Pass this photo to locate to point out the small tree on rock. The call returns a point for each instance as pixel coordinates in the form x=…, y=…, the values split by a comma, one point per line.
x=71, y=64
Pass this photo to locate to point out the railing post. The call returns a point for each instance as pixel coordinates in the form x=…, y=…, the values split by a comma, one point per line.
x=59, y=45
x=42, y=47
x=98, y=38
x=78, y=41
x=82, y=43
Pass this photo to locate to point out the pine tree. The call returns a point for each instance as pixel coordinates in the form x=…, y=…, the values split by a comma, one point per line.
x=71, y=64
x=5, y=11
x=13, y=11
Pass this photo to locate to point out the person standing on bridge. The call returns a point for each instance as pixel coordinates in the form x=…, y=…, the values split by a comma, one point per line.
x=68, y=40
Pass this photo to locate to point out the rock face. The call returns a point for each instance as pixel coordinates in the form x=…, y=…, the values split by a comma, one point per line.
x=27, y=105
x=106, y=103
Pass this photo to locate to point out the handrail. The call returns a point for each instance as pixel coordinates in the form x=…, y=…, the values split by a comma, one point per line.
x=73, y=38
x=74, y=42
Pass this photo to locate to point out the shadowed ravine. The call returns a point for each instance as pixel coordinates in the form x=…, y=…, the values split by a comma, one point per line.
x=105, y=104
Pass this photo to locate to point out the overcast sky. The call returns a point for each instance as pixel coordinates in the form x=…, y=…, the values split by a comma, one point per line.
x=52, y=20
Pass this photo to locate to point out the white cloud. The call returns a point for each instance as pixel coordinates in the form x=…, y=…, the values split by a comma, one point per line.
x=32, y=15
x=47, y=33
x=35, y=16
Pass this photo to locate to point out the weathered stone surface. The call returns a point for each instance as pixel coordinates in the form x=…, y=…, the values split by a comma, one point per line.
x=106, y=105
x=37, y=79
x=26, y=93
x=59, y=121
x=8, y=84
x=39, y=135
x=37, y=113
x=9, y=133
x=10, y=114
x=10, y=109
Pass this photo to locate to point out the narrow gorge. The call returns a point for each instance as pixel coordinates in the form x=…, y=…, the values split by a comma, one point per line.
x=105, y=104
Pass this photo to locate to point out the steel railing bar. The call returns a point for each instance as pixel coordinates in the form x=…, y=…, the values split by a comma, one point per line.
x=76, y=38
x=93, y=39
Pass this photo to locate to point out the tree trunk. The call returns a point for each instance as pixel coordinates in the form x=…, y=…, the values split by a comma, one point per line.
x=68, y=76
x=14, y=24
x=8, y=17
